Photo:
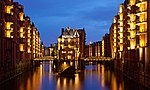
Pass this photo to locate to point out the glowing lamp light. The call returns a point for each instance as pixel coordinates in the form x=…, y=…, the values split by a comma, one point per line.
x=64, y=63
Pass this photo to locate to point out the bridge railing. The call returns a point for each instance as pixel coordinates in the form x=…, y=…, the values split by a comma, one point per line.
x=45, y=58
x=85, y=59
x=98, y=59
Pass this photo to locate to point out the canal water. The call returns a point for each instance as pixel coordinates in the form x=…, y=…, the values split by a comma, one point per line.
x=94, y=77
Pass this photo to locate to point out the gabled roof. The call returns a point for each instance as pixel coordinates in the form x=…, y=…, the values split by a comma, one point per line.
x=70, y=33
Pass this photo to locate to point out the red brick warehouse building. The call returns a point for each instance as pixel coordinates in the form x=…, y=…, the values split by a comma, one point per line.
x=19, y=38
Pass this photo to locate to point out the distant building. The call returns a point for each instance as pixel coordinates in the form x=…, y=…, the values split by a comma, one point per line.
x=98, y=49
x=112, y=38
x=106, y=50
x=71, y=44
x=47, y=51
x=42, y=50
x=94, y=50
x=82, y=38
x=51, y=51
x=86, y=51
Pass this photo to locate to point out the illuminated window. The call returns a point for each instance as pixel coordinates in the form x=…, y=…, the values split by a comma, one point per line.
x=8, y=34
x=59, y=39
x=8, y=9
x=21, y=32
x=132, y=2
x=140, y=54
x=28, y=35
x=28, y=40
x=28, y=31
x=143, y=40
x=115, y=19
x=121, y=47
x=121, y=16
x=63, y=51
x=8, y=25
x=143, y=7
x=132, y=17
x=70, y=52
x=69, y=57
x=21, y=35
x=132, y=25
x=121, y=40
x=115, y=40
x=143, y=17
x=29, y=50
x=114, y=31
x=121, y=23
x=121, y=29
x=121, y=8
x=132, y=44
x=21, y=15
x=69, y=39
x=21, y=47
x=132, y=34
x=21, y=29
x=115, y=36
x=121, y=35
x=115, y=44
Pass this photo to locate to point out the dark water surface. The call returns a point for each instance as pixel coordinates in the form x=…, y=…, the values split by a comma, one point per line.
x=94, y=77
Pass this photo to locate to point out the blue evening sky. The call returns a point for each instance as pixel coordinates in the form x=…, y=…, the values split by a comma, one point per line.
x=50, y=16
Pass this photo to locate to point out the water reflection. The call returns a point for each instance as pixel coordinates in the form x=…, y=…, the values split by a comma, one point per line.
x=94, y=77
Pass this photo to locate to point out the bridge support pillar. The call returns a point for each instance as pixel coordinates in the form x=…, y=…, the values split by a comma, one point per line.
x=81, y=64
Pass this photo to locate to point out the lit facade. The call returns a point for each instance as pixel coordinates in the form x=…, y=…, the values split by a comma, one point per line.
x=130, y=45
x=36, y=42
x=86, y=51
x=72, y=40
x=16, y=36
x=42, y=50
x=106, y=51
x=98, y=49
x=93, y=50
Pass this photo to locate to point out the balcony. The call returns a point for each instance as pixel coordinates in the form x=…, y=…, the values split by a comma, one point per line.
x=141, y=12
x=134, y=10
x=120, y=37
x=141, y=1
x=9, y=9
x=143, y=32
x=128, y=22
x=141, y=22
x=119, y=31
x=137, y=32
x=128, y=37
x=128, y=29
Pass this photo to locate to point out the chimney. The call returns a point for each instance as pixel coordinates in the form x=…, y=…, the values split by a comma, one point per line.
x=62, y=30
